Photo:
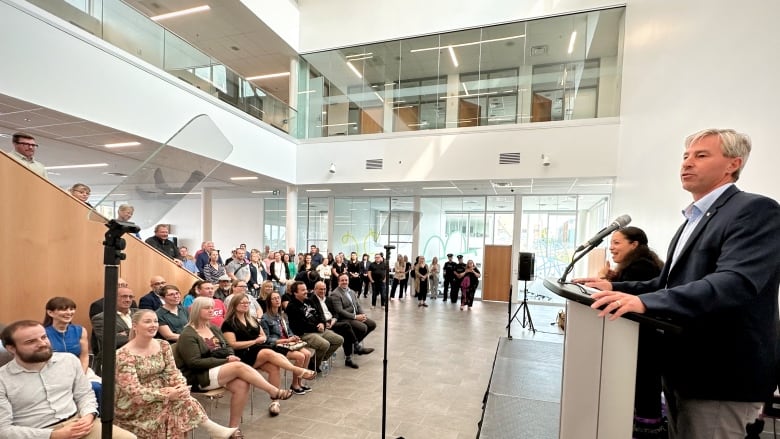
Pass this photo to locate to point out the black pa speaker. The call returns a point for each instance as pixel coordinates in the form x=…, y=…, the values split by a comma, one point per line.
x=525, y=266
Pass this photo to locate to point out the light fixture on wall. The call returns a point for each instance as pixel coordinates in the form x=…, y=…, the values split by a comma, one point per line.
x=546, y=160
x=332, y=168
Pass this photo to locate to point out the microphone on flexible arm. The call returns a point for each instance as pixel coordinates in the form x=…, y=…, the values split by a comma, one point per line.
x=587, y=246
x=619, y=223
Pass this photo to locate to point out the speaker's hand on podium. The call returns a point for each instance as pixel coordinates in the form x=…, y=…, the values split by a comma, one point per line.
x=615, y=304
x=594, y=282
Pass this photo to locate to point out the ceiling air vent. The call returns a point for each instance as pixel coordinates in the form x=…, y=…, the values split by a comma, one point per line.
x=538, y=50
x=509, y=158
x=374, y=163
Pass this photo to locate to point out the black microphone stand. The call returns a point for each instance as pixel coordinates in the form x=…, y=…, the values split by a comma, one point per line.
x=112, y=255
x=526, y=312
x=386, y=301
x=576, y=257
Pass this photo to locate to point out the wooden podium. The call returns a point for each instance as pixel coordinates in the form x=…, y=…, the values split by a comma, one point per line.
x=599, y=368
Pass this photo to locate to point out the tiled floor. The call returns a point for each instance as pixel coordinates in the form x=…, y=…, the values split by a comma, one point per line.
x=439, y=364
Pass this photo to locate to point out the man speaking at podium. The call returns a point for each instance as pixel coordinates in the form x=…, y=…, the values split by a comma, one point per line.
x=720, y=283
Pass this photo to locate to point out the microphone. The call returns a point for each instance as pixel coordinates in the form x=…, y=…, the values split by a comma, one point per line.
x=619, y=223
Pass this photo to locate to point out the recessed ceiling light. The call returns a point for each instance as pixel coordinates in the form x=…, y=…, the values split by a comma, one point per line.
x=87, y=165
x=376, y=189
x=271, y=75
x=121, y=144
x=262, y=192
x=115, y=174
x=433, y=188
x=180, y=13
x=243, y=178
x=317, y=190
x=182, y=193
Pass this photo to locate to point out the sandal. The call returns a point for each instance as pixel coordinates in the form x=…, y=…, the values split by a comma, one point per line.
x=275, y=408
x=238, y=435
x=283, y=394
x=308, y=374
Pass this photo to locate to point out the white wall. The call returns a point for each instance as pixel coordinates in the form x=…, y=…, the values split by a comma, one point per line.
x=337, y=23
x=688, y=66
x=90, y=79
x=584, y=148
x=281, y=16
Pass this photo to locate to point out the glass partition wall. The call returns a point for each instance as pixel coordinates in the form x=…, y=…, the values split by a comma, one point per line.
x=558, y=68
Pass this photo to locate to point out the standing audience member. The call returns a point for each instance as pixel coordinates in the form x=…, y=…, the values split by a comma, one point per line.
x=325, y=270
x=377, y=276
x=469, y=280
x=405, y=280
x=161, y=243
x=305, y=320
x=45, y=394
x=172, y=316
x=353, y=269
x=433, y=278
x=339, y=267
x=346, y=308
x=292, y=267
x=721, y=279
x=279, y=273
x=364, y=264
x=257, y=271
x=457, y=279
x=66, y=336
x=188, y=261
x=152, y=397
x=213, y=269
x=316, y=256
x=81, y=192
x=399, y=274
x=421, y=281
x=204, y=257
x=24, y=153
x=449, y=278
x=207, y=362
x=153, y=299
x=125, y=213
x=238, y=268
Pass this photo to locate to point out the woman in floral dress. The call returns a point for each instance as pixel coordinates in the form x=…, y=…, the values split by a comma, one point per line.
x=152, y=397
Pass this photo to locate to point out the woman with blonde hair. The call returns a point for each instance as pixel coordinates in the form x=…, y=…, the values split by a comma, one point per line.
x=152, y=397
x=81, y=192
x=250, y=343
x=207, y=362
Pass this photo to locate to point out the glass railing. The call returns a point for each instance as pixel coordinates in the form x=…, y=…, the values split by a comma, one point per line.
x=124, y=27
x=551, y=69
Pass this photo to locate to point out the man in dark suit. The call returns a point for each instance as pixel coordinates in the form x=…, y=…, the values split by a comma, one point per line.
x=720, y=282
x=346, y=308
x=153, y=299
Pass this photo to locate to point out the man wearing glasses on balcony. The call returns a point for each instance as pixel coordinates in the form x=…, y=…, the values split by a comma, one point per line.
x=24, y=153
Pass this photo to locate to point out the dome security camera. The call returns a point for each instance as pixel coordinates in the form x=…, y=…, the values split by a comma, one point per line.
x=332, y=168
x=546, y=160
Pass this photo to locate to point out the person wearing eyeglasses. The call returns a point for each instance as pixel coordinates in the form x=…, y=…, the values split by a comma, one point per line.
x=24, y=153
x=153, y=299
x=172, y=315
x=81, y=192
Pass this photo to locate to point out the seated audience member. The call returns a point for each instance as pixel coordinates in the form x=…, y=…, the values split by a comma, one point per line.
x=161, y=243
x=96, y=307
x=305, y=320
x=207, y=362
x=172, y=316
x=280, y=334
x=187, y=260
x=223, y=287
x=81, y=192
x=153, y=299
x=66, y=336
x=239, y=286
x=265, y=290
x=123, y=321
x=344, y=329
x=152, y=397
x=206, y=289
x=213, y=270
x=45, y=394
x=250, y=343
x=345, y=306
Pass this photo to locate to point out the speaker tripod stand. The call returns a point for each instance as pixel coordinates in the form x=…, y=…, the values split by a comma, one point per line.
x=527, y=322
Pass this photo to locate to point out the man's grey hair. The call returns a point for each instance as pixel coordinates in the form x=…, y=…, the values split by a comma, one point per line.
x=732, y=143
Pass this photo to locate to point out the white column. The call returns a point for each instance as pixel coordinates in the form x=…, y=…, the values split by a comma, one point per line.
x=453, y=89
x=331, y=219
x=291, y=230
x=206, y=216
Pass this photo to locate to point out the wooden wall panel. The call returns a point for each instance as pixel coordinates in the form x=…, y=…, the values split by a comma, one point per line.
x=51, y=248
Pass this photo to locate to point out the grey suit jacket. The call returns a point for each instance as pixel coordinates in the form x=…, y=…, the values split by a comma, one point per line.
x=723, y=290
x=343, y=308
x=122, y=330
